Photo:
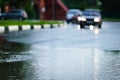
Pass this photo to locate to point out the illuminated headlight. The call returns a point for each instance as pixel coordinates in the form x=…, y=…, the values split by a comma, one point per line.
x=97, y=19
x=81, y=19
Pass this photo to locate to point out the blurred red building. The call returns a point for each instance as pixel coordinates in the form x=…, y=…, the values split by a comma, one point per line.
x=50, y=9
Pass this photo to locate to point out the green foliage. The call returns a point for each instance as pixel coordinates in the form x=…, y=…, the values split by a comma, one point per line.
x=26, y=22
x=19, y=4
x=81, y=4
x=111, y=8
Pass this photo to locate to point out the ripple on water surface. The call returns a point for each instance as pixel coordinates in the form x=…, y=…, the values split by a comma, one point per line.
x=13, y=57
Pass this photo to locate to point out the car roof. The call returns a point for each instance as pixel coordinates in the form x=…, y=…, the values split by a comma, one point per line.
x=75, y=10
x=17, y=10
x=92, y=10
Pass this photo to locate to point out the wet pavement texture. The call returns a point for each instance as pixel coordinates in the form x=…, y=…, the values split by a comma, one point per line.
x=67, y=53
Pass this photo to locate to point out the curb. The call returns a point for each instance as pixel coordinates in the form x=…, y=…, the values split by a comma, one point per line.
x=13, y=28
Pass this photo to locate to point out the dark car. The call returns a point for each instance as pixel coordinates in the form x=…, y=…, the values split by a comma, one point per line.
x=72, y=15
x=90, y=17
x=2, y=16
x=14, y=14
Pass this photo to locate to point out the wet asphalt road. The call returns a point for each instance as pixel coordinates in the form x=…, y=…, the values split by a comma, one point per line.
x=66, y=53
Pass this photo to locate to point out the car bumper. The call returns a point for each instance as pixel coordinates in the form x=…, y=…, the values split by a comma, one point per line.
x=89, y=23
x=92, y=23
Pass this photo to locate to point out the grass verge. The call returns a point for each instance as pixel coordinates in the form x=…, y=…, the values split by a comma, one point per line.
x=26, y=22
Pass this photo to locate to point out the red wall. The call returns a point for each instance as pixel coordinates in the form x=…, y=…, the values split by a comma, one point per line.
x=55, y=10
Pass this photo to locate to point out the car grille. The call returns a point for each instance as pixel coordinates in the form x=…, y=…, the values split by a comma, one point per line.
x=90, y=19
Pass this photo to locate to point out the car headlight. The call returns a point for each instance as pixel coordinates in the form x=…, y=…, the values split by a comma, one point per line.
x=97, y=19
x=81, y=19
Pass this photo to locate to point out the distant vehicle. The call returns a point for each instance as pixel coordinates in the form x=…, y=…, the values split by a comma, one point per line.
x=18, y=14
x=72, y=15
x=91, y=17
x=2, y=16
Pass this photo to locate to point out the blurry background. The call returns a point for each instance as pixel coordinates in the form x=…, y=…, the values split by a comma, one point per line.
x=50, y=9
x=109, y=8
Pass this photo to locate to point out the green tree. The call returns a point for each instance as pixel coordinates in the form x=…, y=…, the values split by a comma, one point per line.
x=111, y=8
x=81, y=4
x=26, y=4
x=19, y=4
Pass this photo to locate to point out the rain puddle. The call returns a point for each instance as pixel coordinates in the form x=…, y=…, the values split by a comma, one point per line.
x=113, y=51
x=13, y=57
x=13, y=51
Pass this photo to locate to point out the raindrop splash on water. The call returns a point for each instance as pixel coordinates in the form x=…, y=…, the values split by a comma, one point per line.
x=13, y=57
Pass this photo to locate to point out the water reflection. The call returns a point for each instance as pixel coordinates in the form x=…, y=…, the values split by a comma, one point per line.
x=91, y=27
x=11, y=71
x=6, y=46
x=106, y=65
x=12, y=51
x=113, y=51
x=14, y=60
x=95, y=29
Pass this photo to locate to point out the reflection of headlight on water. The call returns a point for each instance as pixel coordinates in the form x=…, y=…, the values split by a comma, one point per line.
x=97, y=19
x=91, y=27
x=78, y=27
x=96, y=31
x=81, y=19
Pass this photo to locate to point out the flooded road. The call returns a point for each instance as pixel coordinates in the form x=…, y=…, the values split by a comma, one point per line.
x=67, y=53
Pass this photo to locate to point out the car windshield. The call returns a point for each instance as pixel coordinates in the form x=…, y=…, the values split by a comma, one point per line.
x=90, y=13
x=73, y=12
x=15, y=11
